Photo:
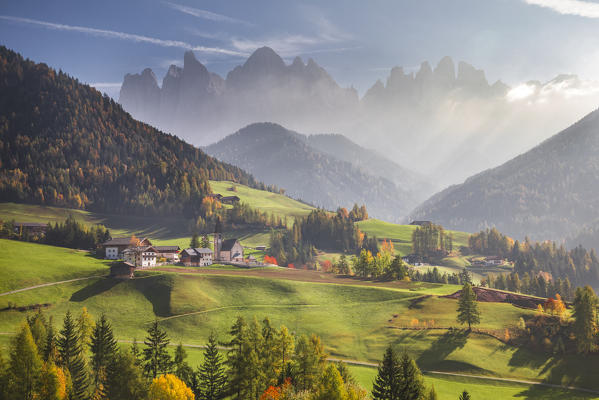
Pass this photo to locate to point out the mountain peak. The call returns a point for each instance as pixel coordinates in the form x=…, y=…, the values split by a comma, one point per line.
x=266, y=58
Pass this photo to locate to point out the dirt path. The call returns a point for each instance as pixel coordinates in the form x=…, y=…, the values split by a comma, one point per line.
x=49, y=284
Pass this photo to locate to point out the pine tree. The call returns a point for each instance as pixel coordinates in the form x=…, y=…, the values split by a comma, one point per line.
x=235, y=357
x=71, y=357
x=386, y=383
x=156, y=359
x=136, y=353
x=50, y=351
x=85, y=327
x=585, y=319
x=205, y=242
x=467, y=307
x=411, y=386
x=103, y=347
x=124, y=380
x=465, y=396
x=25, y=366
x=195, y=241
x=309, y=360
x=331, y=385
x=211, y=374
x=181, y=369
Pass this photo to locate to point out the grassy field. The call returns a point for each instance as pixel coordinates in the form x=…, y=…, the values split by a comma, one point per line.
x=356, y=319
x=273, y=203
x=401, y=235
x=29, y=264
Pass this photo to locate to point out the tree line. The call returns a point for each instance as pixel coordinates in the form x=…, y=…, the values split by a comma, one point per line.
x=70, y=233
x=82, y=361
x=431, y=241
x=323, y=230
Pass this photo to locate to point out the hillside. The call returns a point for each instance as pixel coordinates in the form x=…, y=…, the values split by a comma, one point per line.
x=278, y=156
x=62, y=143
x=549, y=192
x=356, y=322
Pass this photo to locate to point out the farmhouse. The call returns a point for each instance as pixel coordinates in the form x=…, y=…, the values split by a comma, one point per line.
x=169, y=253
x=230, y=199
x=196, y=257
x=494, y=260
x=227, y=250
x=113, y=249
x=216, y=196
x=122, y=270
x=140, y=256
x=32, y=228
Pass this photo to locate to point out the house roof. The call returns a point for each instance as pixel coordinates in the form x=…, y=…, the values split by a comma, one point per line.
x=140, y=248
x=166, y=249
x=228, y=244
x=230, y=198
x=197, y=251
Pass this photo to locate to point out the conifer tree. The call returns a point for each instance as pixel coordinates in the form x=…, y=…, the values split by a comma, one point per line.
x=181, y=369
x=103, y=347
x=85, y=327
x=310, y=359
x=136, y=353
x=195, y=241
x=50, y=351
x=465, y=396
x=235, y=357
x=585, y=319
x=124, y=378
x=411, y=386
x=156, y=359
x=53, y=385
x=211, y=374
x=467, y=307
x=285, y=346
x=269, y=356
x=330, y=386
x=386, y=383
x=432, y=394
x=25, y=366
x=71, y=358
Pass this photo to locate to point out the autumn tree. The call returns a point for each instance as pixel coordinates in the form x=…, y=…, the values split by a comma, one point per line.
x=330, y=385
x=169, y=387
x=310, y=359
x=467, y=307
x=25, y=366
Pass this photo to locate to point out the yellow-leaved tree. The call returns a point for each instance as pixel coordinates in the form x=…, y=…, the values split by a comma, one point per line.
x=169, y=387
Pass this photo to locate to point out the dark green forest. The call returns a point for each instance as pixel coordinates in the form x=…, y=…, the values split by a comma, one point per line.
x=63, y=143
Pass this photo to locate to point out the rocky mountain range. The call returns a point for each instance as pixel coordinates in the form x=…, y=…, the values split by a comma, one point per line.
x=447, y=121
x=325, y=170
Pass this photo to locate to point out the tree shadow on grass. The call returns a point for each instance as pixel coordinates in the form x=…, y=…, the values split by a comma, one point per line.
x=523, y=357
x=546, y=393
x=157, y=289
x=443, y=347
x=98, y=287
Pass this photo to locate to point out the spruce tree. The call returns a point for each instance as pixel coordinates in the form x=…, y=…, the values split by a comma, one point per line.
x=124, y=380
x=25, y=366
x=195, y=241
x=103, y=347
x=467, y=307
x=386, y=383
x=411, y=386
x=156, y=359
x=235, y=357
x=181, y=369
x=432, y=394
x=585, y=319
x=465, y=396
x=211, y=374
x=71, y=357
x=50, y=351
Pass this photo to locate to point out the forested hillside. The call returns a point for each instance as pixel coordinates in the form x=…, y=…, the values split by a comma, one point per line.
x=62, y=143
x=281, y=157
x=549, y=192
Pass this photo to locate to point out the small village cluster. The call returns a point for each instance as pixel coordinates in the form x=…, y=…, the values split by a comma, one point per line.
x=131, y=254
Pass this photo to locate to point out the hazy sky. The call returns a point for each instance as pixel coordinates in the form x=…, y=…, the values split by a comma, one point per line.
x=356, y=41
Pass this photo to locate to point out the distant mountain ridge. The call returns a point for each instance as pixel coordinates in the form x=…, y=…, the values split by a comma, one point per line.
x=447, y=121
x=317, y=169
x=549, y=192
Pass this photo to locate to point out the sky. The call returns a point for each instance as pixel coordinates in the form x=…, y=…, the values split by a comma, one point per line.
x=357, y=41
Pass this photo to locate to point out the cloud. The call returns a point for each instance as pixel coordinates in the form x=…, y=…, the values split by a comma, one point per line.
x=124, y=36
x=569, y=7
x=207, y=15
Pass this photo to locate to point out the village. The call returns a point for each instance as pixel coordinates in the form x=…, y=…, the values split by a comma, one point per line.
x=131, y=254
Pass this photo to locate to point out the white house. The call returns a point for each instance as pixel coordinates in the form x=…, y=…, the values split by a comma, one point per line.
x=198, y=257
x=141, y=257
x=113, y=249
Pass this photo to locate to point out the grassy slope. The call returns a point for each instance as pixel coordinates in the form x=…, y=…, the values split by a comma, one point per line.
x=29, y=264
x=401, y=235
